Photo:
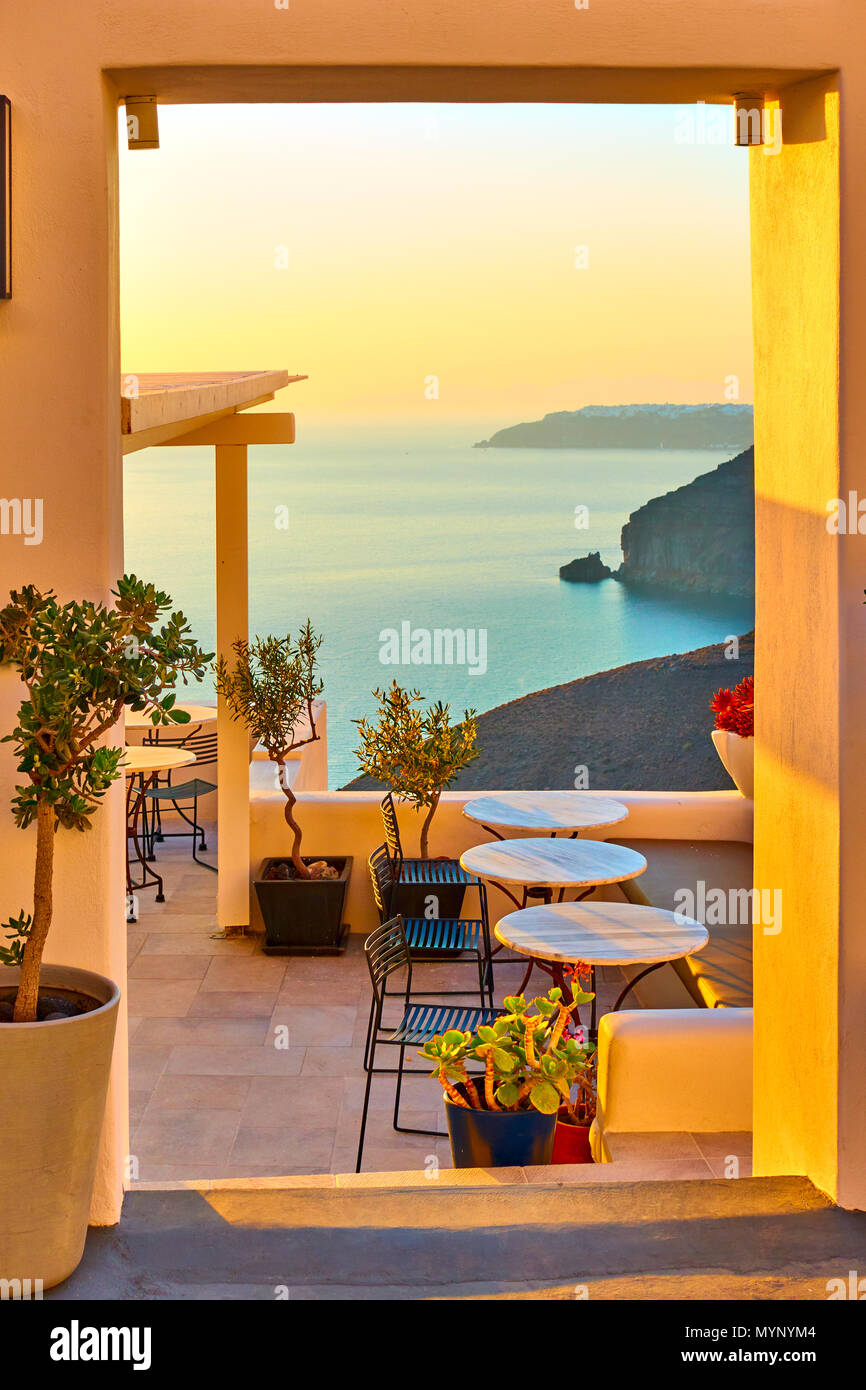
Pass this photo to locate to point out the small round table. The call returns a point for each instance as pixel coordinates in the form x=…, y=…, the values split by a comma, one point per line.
x=551, y=811
x=141, y=763
x=554, y=935
x=552, y=864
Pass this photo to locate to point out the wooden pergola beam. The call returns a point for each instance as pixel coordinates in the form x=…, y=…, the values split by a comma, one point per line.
x=239, y=429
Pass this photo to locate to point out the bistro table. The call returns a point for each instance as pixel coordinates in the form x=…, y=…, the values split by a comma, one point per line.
x=554, y=935
x=540, y=811
x=549, y=866
x=141, y=763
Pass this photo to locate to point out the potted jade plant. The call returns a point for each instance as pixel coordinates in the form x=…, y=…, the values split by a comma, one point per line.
x=734, y=734
x=417, y=753
x=508, y=1116
x=272, y=689
x=80, y=664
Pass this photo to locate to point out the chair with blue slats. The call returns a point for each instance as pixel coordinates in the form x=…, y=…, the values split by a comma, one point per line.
x=387, y=951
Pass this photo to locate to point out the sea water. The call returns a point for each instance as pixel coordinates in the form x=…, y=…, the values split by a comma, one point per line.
x=384, y=545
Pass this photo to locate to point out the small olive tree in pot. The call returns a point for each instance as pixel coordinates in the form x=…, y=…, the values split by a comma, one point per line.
x=272, y=688
x=81, y=663
x=417, y=753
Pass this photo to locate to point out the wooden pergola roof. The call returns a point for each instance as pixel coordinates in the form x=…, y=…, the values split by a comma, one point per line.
x=156, y=407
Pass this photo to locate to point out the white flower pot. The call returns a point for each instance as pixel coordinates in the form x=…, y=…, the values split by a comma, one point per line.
x=738, y=758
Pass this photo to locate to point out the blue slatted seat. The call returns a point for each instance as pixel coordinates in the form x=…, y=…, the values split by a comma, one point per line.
x=442, y=933
x=436, y=940
x=423, y=1021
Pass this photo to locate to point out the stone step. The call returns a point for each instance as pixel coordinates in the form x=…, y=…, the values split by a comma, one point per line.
x=248, y=1240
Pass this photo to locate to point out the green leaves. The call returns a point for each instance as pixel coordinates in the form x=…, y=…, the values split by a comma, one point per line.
x=272, y=685
x=18, y=928
x=415, y=752
x=81, y=663
x=542, y=1078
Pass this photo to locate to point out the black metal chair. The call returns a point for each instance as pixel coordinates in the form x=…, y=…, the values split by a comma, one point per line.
x=387, y=951
x=169, y=793
x=436, y=873
x=433, y=940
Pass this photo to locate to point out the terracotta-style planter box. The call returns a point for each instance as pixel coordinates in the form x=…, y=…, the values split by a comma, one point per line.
x=53, y=1084
x=738, y=758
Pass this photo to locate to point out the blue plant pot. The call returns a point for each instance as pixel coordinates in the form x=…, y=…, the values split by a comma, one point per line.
x=499, y=1139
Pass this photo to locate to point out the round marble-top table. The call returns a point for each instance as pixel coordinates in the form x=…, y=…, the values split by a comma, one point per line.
x=558, y=934
x=551, y=811
x=141, y=763
x=198, y=714
x=552, y=864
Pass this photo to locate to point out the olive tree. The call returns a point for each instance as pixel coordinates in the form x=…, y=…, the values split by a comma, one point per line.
x=80, y=663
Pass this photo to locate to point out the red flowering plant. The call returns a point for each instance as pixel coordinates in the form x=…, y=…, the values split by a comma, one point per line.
x=735, y=709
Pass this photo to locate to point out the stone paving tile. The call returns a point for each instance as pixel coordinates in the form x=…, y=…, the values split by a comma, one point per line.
x=173, y=1136
x=226, y=1060
x=311, y=1101
x=160, y=998
x=311, y=1026
x=200, y=1093
x=161, y=1032
x=168, y=967
x=223, y=1003
x=250, y=974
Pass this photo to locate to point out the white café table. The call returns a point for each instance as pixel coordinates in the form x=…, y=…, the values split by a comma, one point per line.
x=555, y=935
x=542, y=867
x=543, y=811
x=141, y=763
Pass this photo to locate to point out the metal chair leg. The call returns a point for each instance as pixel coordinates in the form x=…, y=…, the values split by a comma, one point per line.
x=366, y=1108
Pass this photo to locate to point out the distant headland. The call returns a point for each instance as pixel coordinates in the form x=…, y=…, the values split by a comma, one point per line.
x=632, y=427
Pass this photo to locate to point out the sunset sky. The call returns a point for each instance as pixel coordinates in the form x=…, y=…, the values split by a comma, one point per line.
x=375, y=247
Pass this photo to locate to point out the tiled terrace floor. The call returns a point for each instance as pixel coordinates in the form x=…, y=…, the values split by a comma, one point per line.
x=247, y=1065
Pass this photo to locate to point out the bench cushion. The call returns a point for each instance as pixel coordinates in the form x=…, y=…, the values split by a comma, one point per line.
x=719, y=976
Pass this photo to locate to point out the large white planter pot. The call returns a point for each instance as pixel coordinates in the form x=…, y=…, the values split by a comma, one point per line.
x=53, y=1083
x=738, y=758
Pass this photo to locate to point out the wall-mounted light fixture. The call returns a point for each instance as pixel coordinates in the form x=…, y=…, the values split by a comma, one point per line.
x=748, y=119
x=5, y=198
x=142, y=123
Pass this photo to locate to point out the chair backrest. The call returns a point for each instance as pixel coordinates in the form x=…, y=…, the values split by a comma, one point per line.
x=382, y=879
x=203, y=745
x=392, y=829
x=386, y=951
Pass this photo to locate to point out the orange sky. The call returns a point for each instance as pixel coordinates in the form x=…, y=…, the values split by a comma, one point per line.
x=378, y=247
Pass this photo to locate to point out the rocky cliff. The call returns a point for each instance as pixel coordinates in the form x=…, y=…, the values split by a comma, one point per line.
x=700, y=537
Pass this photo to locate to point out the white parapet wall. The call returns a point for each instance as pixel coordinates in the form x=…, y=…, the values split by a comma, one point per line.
x=349, y=823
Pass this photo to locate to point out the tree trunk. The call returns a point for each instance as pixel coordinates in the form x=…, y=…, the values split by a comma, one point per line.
x=300, y=867
x=28, y=990
x=425, y=828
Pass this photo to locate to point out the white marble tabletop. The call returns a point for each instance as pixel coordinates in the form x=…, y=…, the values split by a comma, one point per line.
x=198, y=714
x=601, y=933
x=152, y=758
x=553, y=863
x=544, y=811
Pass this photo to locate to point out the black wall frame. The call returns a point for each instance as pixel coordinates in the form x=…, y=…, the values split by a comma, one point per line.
x=5, y=198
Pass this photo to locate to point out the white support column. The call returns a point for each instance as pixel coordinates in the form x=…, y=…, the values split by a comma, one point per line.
x=232, y=595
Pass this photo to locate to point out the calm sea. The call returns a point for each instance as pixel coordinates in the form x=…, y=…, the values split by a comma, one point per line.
x=364, y=538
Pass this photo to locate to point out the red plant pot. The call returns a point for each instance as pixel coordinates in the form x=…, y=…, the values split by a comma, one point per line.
x=571, y=1143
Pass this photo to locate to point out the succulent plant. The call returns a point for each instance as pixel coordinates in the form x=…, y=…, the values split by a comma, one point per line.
x=530, y=1062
